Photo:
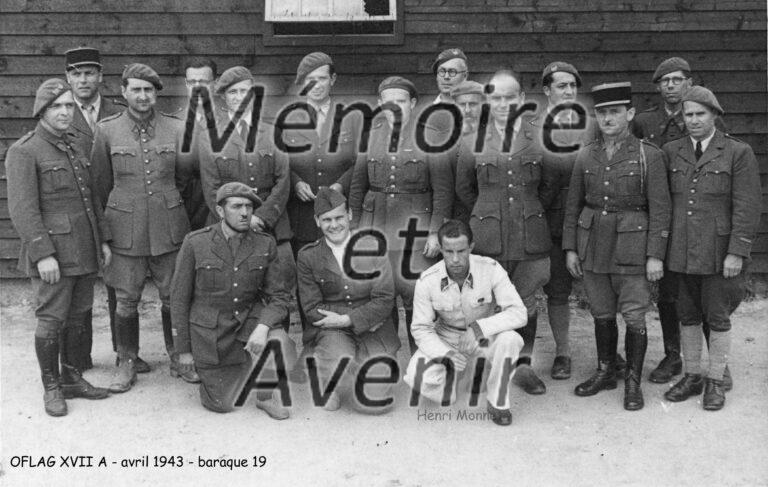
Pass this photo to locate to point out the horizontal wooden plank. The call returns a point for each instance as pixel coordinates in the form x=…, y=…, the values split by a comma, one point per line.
x=245, y=23
x=354, y=62
x=410, y=5
x=9, y=248
x=8, y=269
x=6, y=227
x=430, y=44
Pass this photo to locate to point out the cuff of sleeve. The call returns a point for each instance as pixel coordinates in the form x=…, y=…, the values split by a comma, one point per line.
x=40, y=248
x=657, y=249
x=740, y=246
x=358, y=324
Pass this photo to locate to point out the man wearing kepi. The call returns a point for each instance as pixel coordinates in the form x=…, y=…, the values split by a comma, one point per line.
x=228, y=300
x=394, y=190
x=715, y=186
x=501, y=186
x=615, y=234
x=83, y=67
x=455, y=317
x=137, y=155
x=63, y=239
x=348, y=318
x=660, y=124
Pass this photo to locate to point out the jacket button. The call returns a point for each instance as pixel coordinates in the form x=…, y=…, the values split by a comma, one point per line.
x=234, y=284
x=391, y=195
x=146, y=161
x=319, y=160
x=146, y=150
x=393, y=167
x=608, y=168
x=392, y=176
x=236, y=268
x=605, y=198
x=605, y=212
x=690, y=213
x=235, y=300
x=690, y=202
x=149, y=193
x=606, y=183
x=250, y=164
x=693, y=190
x=148, y=171
x=509, y=185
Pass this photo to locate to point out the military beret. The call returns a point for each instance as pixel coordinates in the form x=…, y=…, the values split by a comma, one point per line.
x=699, y=94
x=328, y=199
x=235, y=189
x=231, y=76
x=311, y=62
x=467, y=87
x=47, y=93
x=563, y=67
x=670, y=66
x=608, y=94
x=82, y=56
x=143, y=72
x=398, y=82
x=447, y=55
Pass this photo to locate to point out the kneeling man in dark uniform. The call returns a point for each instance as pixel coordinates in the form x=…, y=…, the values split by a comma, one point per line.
x=227, y=299
x=351, y=317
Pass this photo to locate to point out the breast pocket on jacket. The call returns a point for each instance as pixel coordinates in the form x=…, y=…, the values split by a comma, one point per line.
x=376, y=172
x=124, y=159
x=210, y=275
x=531, y=169
x=716, y=178
x=486, y=227
x=415, y=171
x=678, y=178
x=487, y=170
x=54, y=176
x=257, y=268
x=227, y=169
x=628, y=181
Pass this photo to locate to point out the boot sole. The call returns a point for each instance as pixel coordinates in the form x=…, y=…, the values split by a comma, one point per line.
x=607, y=387
x=175, y=374
x=122, y=387
x=56, y=415
x=75, y=395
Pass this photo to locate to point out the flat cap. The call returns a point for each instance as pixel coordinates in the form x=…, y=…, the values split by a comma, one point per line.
x=82, y=56
x=467, y=87
x=670, y=66
x=236, y=189
x=327, y=199
x=311, y=62
x=608, y=94
x=47, y=93
x=447, y=55
x=231, y=76
x=398, y=82
x=702, y=95
x=143, y=72
x=563, y=67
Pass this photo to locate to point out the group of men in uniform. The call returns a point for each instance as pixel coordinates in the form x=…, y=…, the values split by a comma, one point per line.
x=463, y=214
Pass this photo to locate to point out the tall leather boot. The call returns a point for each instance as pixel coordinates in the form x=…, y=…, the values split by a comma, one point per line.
x=524, y=376
x=635, y=343
x=72, y=383
x=606, y=338
x=671, y=365
x=112, y=307
x=127, y=348
x=47, y=351
x=86, y=343
x=185, y=371
x=411, y=340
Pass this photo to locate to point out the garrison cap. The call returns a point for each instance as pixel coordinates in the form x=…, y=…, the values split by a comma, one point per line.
x=702, y=95
x=398, y=82
x=235, y=189
x=447, y=55
x=467, y=87
x=311, y=62
x=143, y=72
x=82, y=56
x=608, y=94
x=563, y=67
x=231, y=76
x=670, y=66
x=328, y=199
x=47, y=93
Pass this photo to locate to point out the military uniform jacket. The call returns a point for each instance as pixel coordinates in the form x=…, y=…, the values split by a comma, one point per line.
x=655, y=125
x=715, y=203
x=322, y=284
x=388, y=189
x=217, y=297
x=82, y=135
x=558, y=166
x=441, y=308
x=318, y=167
x=140, y=167
x=502, y=189
x=265, y=170
x=617, y=214
x=51, y=204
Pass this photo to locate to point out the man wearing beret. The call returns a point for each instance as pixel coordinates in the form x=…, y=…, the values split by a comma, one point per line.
x=392, y=191
x=450, y=70
x=83, y=71
x=265, y=169
x=501, y=188
x=716, y=196
x=561, y=82
x=228, y=299
x=348, y=317
x=63, y=240
x=317, y=166
x=137, y=155
x=661, y=124
x=615, y=235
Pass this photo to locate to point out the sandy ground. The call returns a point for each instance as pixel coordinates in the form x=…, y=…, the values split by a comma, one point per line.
x=555, y=439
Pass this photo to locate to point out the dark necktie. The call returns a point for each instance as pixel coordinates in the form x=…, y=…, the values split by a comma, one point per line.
x=242, y=128
x=234, y=244
x=698, y=150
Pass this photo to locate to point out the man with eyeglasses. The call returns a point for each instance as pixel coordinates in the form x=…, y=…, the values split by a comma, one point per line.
x=83, y=66
x=661, y=124
x=450, y=68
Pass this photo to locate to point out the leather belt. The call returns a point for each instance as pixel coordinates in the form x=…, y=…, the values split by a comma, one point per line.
x=387, y=189
x=615, y=209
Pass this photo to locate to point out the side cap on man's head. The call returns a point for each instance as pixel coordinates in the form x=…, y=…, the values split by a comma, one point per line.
x=328, y=199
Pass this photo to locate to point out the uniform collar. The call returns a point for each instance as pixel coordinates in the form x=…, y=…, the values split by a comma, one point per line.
x=62, y=142
x=446, y=281
x=147, y=125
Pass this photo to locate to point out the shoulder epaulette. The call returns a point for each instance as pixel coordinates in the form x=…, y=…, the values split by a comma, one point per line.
x=310, y=245
x=433, y=269
x=175, y=114
x=25, y=137
x=649, y=143
x=201, y=231
x=110, y=117
x=729, y=136
x=652, y=108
